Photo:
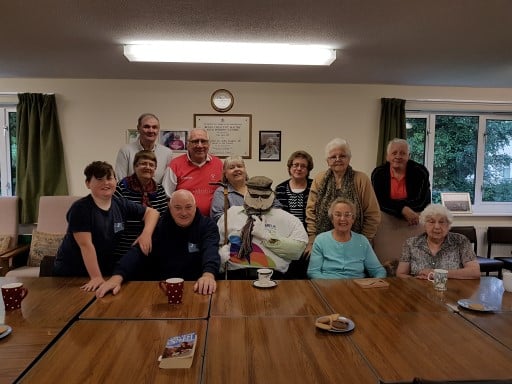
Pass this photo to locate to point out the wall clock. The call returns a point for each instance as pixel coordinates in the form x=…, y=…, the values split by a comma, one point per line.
x=222, y=100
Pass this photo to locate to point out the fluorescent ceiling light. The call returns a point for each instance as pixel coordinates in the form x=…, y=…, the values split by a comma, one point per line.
x=232, y=53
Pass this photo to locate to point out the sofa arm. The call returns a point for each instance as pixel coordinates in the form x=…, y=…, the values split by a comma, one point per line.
x=6, y=258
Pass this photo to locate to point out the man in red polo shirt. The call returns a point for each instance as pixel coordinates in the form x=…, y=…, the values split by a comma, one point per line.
x=195, y=170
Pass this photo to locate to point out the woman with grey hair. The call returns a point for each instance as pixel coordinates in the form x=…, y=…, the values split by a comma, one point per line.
x=438, y=248
x=340, y=180
x=341, y=253
x=234, y=177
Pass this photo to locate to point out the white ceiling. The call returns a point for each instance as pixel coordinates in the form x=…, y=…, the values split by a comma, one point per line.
x=407, y=42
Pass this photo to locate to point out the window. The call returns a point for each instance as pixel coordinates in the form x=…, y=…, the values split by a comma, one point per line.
x=465, y=152
x=8, y=146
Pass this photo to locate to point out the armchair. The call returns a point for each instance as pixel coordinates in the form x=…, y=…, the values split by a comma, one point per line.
x=47, y=236
x=9, y=222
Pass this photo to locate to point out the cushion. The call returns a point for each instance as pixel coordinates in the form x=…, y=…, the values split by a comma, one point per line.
x=43, y=244
x=5, y=240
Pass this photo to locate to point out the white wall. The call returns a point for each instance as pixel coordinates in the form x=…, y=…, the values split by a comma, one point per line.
x=95, y=114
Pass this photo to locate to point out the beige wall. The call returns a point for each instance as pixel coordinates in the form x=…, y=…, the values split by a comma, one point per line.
x=95, y=114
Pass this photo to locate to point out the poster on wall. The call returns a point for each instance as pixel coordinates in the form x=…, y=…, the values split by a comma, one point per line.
x=270, y=146
x=175, y=140
x=132, y=135
x=229, y=134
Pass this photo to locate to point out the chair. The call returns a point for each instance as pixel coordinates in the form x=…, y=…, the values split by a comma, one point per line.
x=9, y=223
x=47, y=236
x=486, y=263
x=391, y=236
x=500, y=235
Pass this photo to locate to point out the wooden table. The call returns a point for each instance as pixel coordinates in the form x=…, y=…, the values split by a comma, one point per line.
x=488, y=289
x=497, y=325
x=288, y=298
x=402, y=295
x=117, y=351
x=145, y=300
x=50, y=305
x=280, y=349
x=435, y=346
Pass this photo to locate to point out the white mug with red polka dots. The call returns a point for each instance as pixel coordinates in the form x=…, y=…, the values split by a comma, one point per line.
x=13, y=294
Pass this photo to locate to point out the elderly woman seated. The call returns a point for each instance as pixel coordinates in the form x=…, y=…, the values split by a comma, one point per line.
x=341, y=253
x=438, y=248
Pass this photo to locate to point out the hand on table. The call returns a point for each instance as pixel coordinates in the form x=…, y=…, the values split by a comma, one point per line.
x=93, y=284
x=206, y=284
x=423, y=274
x=113, y=284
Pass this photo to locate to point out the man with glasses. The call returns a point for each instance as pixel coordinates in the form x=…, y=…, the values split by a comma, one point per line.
x=148, y=127
x=195, y=171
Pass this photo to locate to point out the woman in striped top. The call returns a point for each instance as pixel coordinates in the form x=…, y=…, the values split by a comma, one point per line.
x=141, y=188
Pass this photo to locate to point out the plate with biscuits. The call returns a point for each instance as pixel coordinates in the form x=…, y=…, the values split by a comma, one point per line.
x=4, y=330
x=335, y=323
x=476, y=305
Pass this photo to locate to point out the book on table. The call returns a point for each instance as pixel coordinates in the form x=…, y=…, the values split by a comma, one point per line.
x=179, y=351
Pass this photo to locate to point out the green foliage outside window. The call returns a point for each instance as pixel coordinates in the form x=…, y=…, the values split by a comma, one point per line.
x=455, y=155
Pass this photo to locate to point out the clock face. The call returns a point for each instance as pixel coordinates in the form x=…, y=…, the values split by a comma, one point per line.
x=222, y=100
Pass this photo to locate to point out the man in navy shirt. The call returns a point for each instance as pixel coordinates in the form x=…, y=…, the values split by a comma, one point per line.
x=185, y=245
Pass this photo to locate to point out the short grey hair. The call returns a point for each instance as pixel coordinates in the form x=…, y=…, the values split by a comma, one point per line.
x=436, y=210
x=199, y=130
x=337, y=143
x=398, y=141
x=342, y=200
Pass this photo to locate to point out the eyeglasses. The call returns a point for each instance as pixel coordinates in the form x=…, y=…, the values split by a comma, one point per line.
x=346, y=215
x=298, y=165
x=198, y=141
x=332, y=159
x=146, y=164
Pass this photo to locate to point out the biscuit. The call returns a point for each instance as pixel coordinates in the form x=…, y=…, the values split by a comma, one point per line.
x=3, y=328
x=339, y=325
x=476, y=306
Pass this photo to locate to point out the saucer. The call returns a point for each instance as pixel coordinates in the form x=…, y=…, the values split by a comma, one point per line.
x=350, y=325
x=6, y=332
x=271, y=284
x=476, y=306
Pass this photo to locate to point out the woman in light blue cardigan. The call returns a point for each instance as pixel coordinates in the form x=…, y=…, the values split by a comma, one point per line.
x=341, y=253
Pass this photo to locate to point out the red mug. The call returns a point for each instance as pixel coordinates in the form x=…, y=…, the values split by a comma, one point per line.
x=13, y=294
x=173, y=288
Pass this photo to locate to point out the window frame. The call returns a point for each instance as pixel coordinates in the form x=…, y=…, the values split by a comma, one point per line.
x=479, y=207
x=5, y=150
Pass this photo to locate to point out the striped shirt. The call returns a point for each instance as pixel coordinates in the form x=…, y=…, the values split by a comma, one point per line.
x=158, y=200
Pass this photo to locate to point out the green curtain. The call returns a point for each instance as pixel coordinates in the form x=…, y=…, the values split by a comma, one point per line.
x=392, y=125
x=40, y=167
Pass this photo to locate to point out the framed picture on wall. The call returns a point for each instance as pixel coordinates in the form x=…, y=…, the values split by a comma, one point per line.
x=175, y=140
x=457, y=203
x=270, y=146
x=132, y=135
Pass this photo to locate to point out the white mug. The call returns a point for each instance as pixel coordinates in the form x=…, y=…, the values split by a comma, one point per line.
x=264, y=275
x=439, y=277
x=507, y=281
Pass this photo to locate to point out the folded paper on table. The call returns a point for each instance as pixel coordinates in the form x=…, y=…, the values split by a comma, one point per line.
x=179, y=351
x=371, y=283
